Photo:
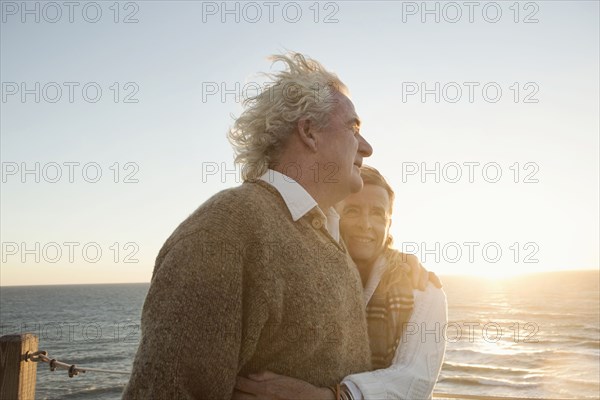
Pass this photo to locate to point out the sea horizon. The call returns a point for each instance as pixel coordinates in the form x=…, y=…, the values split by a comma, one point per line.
x=451, y=275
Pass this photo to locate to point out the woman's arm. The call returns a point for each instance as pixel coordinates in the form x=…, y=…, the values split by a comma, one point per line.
x=418, y=358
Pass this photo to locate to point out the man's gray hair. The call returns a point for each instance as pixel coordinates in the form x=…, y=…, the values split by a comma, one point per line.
x=303, y=90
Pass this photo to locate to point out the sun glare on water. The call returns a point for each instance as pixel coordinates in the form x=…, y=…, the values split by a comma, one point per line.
x=488, y=271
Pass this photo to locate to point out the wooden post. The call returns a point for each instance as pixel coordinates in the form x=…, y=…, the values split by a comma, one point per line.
x=17, y=376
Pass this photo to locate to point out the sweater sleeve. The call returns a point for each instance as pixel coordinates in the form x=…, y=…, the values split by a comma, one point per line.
x=192, y=324
x=418, y=358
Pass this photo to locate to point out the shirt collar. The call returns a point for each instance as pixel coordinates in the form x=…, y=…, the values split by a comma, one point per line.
x=377, y=271
x=299, y=201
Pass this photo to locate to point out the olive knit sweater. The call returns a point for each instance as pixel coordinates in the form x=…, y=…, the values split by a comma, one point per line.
x=239, y=287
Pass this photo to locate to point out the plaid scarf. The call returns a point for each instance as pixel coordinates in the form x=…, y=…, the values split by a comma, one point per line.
x=389, y=309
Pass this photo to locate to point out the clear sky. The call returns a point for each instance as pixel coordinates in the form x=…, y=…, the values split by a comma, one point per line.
x=518, y=95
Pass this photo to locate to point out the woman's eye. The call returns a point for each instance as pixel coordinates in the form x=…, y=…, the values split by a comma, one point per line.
x=350, y=212
x=379, y=214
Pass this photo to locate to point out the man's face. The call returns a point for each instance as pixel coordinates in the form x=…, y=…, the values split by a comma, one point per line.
x=343, y=148
x=365, y=223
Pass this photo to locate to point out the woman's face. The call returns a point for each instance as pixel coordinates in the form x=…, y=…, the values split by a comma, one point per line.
x=365, y=221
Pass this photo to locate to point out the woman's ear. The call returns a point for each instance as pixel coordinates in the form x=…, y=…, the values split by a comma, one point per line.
x=306, y=133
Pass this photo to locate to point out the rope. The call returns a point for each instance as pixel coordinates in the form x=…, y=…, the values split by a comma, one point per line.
x=42, y=356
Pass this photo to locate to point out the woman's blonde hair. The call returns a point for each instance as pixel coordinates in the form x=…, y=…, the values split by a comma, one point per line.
x=303, y=90
x=372, y=176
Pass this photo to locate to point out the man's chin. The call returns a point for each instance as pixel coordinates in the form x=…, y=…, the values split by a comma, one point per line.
x=356, y=185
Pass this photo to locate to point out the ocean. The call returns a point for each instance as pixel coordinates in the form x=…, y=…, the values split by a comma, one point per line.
x=532, y=336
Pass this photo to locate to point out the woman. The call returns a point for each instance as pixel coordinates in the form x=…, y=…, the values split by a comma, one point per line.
x=404, y=324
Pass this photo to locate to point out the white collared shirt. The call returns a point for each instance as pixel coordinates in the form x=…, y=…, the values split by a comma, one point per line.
x=300, y=202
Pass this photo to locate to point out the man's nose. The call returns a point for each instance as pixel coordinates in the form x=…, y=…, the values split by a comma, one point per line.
x=364, y=148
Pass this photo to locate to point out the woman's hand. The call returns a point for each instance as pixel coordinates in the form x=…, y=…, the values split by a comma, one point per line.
x=420, y=277
x=270, y=386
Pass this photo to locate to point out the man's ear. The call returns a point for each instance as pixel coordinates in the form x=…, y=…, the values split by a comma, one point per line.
x=306, y=133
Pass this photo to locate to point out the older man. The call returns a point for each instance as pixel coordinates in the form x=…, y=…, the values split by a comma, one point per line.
x=257, y=278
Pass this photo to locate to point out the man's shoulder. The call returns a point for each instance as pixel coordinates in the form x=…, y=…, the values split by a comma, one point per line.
x=228, y=213
x=248, y=198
